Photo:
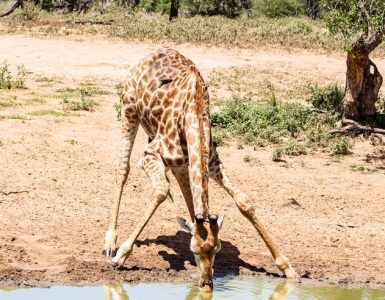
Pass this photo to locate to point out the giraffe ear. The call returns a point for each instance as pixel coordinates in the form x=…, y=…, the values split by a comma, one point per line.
x=220, y=222
x=185, y=225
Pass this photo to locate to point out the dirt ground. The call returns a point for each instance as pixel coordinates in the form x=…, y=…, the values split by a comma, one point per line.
x=55, y=195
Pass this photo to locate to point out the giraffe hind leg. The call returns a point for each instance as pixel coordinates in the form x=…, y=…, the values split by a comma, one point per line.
x=155, y=169
x=130, y=124
x=245, y=205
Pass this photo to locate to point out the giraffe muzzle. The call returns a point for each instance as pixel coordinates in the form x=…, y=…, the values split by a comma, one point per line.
x=206, y=285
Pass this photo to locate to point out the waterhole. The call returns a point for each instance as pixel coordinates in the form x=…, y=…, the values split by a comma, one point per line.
x=243, y=288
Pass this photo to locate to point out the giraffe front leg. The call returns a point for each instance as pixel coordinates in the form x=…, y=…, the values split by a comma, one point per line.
x=155, y=169
x=245, y=205
x=130, y=124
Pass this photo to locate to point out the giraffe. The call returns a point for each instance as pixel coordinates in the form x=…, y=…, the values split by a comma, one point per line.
x=166, y=94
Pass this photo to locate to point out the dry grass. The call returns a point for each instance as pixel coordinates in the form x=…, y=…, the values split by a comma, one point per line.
x=261, y=84
x=243, y=32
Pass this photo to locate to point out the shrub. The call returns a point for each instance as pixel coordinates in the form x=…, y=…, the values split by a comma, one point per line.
x=218, y=136
x=277, y=154
x=29, y=12
x=293, y=148
x=6, y=79
x=118, y=108
x=326, y=97
x=341, y=146
x=261, y=124
x=280, y=8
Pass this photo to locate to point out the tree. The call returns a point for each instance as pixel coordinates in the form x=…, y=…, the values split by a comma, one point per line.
x=174, y=8
x=362, y=23
x=313, y=9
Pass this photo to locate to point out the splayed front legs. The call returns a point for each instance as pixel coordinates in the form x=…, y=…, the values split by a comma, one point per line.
x=245, y=205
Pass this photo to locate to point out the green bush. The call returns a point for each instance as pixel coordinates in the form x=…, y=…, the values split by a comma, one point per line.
x=219, y=136
x=341, y=146
x=327, y=98
x=29, y=12
x=293, y=148
x=6, y=79
x=267, y=123
x=277, y=154
x=280, y=8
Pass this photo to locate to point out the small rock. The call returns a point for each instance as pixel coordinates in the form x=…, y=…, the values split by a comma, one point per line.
x=291, y=201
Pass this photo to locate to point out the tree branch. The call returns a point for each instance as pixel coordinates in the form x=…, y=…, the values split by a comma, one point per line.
x=366, y=17
x=354, y=127
x=13, y=8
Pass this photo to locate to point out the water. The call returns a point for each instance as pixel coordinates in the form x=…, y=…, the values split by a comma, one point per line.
x=244, y=288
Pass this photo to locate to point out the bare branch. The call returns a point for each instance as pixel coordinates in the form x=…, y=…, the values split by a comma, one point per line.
x=354, y=127
x=12, y=9
x=366, y=17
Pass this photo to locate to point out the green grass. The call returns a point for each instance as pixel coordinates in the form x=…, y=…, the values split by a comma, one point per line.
x=251, y=160
x=363, y=169
x=36, y=99
x=14, y=117
x=48, y=112
x=71, y=141
x=8, y=101
x=80, y=98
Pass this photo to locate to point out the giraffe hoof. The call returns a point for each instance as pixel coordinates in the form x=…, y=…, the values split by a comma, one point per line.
x=110, y=252
x=291, y=274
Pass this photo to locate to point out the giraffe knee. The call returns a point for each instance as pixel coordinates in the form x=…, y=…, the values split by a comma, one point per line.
x=121, y=174
x=244, y=204
x=161, y=192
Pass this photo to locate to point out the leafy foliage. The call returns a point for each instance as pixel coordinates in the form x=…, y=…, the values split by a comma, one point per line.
x=263, y=124
x=355, y=17
x=229, y=8
x=280, y=8
x=326, y=98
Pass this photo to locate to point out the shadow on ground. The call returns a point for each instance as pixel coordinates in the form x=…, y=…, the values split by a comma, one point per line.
x=227, y=261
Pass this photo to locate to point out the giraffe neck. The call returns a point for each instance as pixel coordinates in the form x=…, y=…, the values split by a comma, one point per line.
x=197, y=129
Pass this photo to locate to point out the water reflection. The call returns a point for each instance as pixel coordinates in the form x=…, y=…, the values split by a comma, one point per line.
x=116, y=292
x=224, y=289
x=245, y=288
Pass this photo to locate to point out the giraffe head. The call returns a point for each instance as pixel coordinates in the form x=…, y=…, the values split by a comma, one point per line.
x=205, y=244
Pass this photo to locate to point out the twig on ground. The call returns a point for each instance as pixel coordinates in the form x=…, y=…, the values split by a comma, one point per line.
x=13, y=192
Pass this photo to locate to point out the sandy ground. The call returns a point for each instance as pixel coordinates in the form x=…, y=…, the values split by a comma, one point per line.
x=55, y=196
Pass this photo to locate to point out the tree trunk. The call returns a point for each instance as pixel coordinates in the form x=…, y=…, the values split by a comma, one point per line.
x=313, y=9
x=174, y=9
x=363, y=80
